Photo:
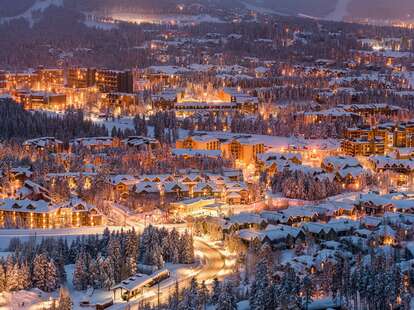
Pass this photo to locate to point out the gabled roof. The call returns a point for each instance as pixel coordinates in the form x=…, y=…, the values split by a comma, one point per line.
x=123, y=179
x=173, y=186
x=146, y=187
x=201, y=186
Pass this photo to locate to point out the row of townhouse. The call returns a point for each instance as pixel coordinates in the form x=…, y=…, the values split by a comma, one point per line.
x=230, y=189
x=30, y=205
x=372, y=219
x=51, y=144
x=345, y=169
x=25, y=213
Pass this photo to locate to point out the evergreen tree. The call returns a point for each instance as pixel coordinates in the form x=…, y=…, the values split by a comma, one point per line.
x=3, y=282
x=216, y=291
x=52, y=277
x=308, y=290
x=65, y=302
x=41, y=268
x=226, y=300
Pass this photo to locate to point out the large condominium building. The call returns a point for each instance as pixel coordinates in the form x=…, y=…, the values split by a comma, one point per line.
x=40, y=100
x=21, y=80
x=113, y=81
x=49, y=79
x=378, y=140
x=199, y=142
x=3, y=79
x=81, y=77
x=187, y=102
x=363, y=147
x=238, y=147
x=42, y=214
x=372, y=109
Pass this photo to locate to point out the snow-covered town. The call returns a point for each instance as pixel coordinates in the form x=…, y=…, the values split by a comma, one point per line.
x=206, y=155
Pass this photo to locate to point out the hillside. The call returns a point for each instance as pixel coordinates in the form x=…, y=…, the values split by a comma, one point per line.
x=327, y=9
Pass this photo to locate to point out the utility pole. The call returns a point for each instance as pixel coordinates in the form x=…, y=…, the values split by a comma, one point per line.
x=158, y=294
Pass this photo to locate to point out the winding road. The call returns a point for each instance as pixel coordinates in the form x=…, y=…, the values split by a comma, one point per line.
x=214, y=266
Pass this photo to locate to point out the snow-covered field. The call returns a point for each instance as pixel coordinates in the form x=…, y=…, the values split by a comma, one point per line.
x=165, y=19
x=262, y=10
x=68, y=233
x=25, y=300
x=119, y=123
x=100, y=25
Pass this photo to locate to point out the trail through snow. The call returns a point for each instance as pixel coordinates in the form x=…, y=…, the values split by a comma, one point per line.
x=340, y=12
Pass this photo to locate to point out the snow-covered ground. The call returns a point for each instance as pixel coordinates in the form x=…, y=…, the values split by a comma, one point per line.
x=68, y=233
x=119, y=123
x=179, y=272
x=39, y=5
x=262, y=10
x=165, y=19
x=340, y=12
x=276, y=143
x=100, y=25
x=25, y=300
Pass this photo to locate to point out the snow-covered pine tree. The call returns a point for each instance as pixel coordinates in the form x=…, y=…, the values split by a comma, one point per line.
x=25, y=281
x=40, y=272
x=52, y=277
x=3, y=283
x=187, y=249
x=261, y=295
x=227, y=300
x=215, y=292
x=79, y=273
x=115, y=255
x=107, y=273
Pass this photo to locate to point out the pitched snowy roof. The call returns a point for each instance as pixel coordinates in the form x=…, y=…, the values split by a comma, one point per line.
x=385, y=231
x=192, y=152
x=138, y=280
x=173, y=186
x=371, y=220
x=147, y=187
x=273, y=156
x=353, y=172
x=42, y=142
x=157, y=178
x=26, y=205
x=201, y=186
x=246, y=218
x=139, y=140
x=93, y=141
x=124, y=179
x=341, y=162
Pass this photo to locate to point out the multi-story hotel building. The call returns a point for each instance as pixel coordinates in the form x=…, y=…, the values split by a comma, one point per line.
x=378, y=140
x=113, y=81
x=49, y=79
x=186, y=102
x=81, y=77
x=21, y=80
x=42, y=214
x=239, y=147
x=40, y=100
x=199, y=142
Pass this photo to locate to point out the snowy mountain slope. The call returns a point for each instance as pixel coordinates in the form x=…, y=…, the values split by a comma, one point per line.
x=337, y=10
x=38, y=6
x=340, y=12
